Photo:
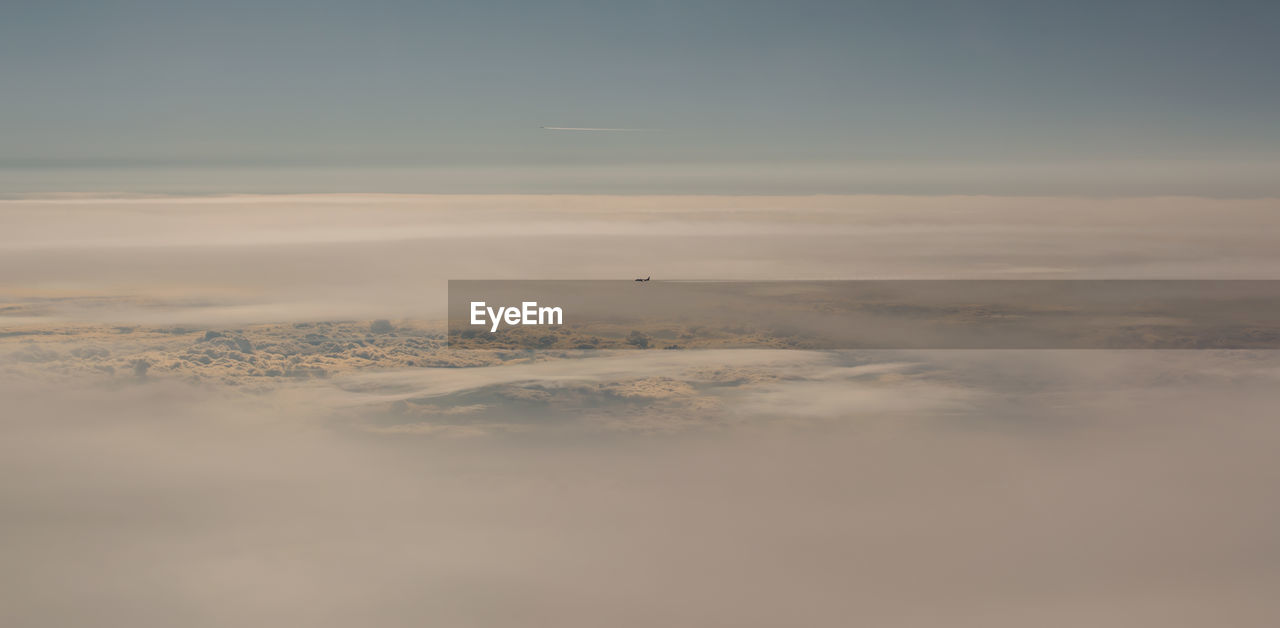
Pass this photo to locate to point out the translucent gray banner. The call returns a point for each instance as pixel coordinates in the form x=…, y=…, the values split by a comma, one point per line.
x=886, y=314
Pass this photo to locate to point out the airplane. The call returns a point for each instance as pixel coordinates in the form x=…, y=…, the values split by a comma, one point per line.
x=645, y=279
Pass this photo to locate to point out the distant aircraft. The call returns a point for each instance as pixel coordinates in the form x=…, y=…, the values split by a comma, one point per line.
x=645, y=279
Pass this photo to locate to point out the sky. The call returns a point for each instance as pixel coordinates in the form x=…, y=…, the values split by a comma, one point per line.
x=734, y=97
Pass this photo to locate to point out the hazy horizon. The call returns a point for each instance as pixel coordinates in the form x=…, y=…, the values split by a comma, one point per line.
x=742, y=97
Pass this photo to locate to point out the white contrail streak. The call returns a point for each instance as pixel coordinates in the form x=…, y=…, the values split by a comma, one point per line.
x=579, y=128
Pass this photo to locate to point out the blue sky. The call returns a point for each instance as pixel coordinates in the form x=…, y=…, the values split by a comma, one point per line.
x=370, y=85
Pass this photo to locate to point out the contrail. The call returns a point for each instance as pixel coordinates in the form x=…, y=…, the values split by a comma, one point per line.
x=580, y=128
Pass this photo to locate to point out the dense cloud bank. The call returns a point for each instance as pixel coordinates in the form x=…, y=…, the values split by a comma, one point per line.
x=914, y=489
x=239, y=260
x=237, y=411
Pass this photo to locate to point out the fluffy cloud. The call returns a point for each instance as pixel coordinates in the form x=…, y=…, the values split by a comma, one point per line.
x=1001, y=488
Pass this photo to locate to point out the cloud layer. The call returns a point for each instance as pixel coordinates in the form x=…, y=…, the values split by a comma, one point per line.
x=958, y=488
x=236, y=411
